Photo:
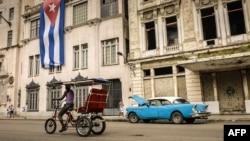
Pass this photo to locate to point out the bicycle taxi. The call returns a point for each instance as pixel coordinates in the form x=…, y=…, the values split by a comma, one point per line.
x=89, y=118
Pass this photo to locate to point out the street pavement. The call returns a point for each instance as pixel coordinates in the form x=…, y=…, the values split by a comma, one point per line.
x=212, y=118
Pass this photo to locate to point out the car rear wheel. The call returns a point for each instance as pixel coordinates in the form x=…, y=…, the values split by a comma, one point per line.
x=133, y=118
x=177, y=117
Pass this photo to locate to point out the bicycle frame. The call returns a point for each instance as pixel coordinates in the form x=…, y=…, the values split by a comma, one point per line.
x=70, y=120
x=51, y=125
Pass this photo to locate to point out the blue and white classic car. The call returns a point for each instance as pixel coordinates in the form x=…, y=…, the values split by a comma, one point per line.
x=175, y=109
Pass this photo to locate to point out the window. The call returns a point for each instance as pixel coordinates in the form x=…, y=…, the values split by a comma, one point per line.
x=126, y=8
x=115, y=94
x=34, y=65
x=109, y=8
x=165, y=102
x=180, y=101
x=146, y=72
x=31, y=59
x=172, y=31
x=32, y=98
x=1, y=17
x=76, y=57
x=180, y=69
x=109, y=51
x=150, y=36
x=127, y=48
x=11, y=14
x=53, y=93
x=81, y=93
x=84, y=56
x=208, y=24
x=9, y=40
x=37, y=64
x=163, y=71
x=80, y=57
x=53, y=69
x=155, y=102
x=19, y=98
x=80, y=13
x=34, y=29
x=58, y=68
x=236, y=18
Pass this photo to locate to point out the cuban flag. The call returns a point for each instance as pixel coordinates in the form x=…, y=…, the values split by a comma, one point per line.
x=51, y=33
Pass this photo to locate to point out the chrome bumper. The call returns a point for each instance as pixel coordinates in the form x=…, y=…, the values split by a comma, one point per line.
x=201, y=115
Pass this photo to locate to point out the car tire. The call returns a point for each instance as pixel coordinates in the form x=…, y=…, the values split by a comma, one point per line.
x=190, y=120
x=177, y=118
x=133, y=118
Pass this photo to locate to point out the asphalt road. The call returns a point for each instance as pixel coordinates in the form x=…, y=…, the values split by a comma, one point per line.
x=33, y=130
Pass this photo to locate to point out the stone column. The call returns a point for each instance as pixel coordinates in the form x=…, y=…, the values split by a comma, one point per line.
x=193, y=86
x=215, y=87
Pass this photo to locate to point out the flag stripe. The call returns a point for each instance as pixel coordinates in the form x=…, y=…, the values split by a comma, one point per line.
x=61, y=31
x=51, y=35
x=57, y=38
x=42, y=46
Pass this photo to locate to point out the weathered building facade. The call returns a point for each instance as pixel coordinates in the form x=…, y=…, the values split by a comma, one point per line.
x=10, y=23
x=197, y=49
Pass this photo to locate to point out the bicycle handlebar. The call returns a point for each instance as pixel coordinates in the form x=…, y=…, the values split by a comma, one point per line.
x=60, y=103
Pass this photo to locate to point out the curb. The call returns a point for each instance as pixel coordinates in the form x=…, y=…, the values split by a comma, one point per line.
x=213, y=118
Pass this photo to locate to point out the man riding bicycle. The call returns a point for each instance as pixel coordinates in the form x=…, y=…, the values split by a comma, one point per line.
x=69, y=94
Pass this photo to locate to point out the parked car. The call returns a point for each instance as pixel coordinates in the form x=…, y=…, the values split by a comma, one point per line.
x=175, y=109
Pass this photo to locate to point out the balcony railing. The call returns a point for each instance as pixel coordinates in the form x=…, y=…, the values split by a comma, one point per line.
x=172, y=48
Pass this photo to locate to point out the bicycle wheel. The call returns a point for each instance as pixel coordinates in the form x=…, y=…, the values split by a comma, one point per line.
x=50, y=126
x=98, y=125
x=83, y=126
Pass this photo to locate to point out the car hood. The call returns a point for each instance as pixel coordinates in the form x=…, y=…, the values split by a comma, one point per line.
x=139, y=100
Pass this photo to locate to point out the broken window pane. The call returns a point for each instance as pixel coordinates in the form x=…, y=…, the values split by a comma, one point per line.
x=172, y=31
x=236, y=18
x=208, y=24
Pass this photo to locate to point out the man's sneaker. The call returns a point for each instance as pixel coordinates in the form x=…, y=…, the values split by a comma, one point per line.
x=63, y=129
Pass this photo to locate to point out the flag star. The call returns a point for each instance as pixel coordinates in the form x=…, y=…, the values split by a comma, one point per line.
x=52, y=7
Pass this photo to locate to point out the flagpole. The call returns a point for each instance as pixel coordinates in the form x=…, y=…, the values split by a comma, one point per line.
x=9, y=23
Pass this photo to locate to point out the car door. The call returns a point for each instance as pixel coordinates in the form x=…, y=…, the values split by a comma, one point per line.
x=165, y=110
x=150, y=111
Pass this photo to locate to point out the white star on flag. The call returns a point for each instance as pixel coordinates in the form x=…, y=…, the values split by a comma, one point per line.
x=52, y=7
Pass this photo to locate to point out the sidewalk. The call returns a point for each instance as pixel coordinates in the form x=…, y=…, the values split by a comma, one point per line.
x=212, y=118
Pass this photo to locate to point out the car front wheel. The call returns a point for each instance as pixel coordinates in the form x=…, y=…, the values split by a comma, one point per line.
x=133, y=118
x=177, y=117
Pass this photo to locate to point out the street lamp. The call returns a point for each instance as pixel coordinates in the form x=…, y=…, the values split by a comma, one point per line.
x=131, y=65
x=8, y=22
x=124, y=58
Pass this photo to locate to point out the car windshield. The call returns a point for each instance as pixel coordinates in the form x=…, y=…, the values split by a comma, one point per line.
x=180, y=101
